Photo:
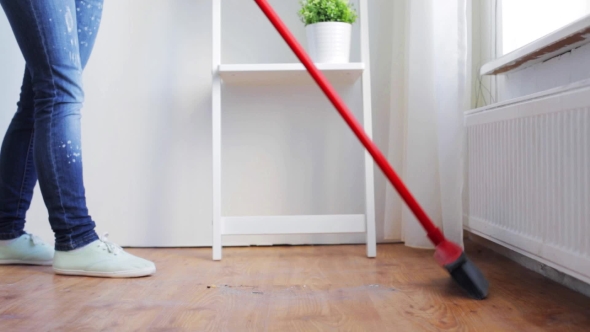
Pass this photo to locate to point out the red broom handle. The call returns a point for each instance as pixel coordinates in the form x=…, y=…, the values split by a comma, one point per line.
x=435, y=235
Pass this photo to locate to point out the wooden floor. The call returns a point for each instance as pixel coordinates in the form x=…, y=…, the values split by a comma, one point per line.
x=326, y=288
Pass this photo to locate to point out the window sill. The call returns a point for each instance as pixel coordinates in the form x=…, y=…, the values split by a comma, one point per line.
x=583, y=85
x=558, y=42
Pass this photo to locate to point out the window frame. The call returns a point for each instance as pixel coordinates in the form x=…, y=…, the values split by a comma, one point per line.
x=559, y=41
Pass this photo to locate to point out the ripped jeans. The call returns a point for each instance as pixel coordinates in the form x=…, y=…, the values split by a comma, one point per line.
x=43, y=140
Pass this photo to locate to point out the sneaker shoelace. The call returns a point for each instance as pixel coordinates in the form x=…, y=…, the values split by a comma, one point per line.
x=35, y=240
x=111, y=247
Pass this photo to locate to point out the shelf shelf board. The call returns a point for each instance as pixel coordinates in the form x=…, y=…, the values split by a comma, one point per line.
x=288, y=73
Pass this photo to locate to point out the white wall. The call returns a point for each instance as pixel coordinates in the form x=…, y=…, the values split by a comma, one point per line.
x=147, y=125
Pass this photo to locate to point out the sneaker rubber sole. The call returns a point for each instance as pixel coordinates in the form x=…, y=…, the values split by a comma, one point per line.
x=24, y=262
x=120, y=274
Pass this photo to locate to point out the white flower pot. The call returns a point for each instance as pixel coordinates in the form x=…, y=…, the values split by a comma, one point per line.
x=329, y=42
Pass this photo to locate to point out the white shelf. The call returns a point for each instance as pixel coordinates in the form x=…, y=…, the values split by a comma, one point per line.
x=288, y=73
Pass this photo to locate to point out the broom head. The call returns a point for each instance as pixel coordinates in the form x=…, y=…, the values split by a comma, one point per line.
x=450, y=256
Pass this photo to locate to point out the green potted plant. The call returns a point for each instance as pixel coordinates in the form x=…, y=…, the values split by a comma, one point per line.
x=328, y=25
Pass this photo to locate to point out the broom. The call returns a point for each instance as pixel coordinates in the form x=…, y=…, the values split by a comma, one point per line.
x=448, y=254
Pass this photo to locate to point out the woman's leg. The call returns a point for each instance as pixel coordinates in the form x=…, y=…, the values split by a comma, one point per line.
x=47, y=33
x=17, y=169
x=17, y=181
x=54, y=36
x=18, y=175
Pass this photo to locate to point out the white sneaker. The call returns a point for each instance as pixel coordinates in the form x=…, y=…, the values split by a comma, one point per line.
x=27, y=249
x=101, y=258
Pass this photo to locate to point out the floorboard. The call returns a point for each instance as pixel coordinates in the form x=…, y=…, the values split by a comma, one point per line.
x=311, y=288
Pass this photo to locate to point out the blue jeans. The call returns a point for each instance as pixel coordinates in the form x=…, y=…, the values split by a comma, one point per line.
x=43, y=140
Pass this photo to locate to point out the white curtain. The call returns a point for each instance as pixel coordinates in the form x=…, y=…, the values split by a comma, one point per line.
x=430, y=91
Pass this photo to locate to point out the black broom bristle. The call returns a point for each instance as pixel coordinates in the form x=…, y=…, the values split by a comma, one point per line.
x=469, y=277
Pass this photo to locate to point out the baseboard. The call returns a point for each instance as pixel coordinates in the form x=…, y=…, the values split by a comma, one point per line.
x=531, y=264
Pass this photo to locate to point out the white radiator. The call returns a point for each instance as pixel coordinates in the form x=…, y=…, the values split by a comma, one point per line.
x=529, y=177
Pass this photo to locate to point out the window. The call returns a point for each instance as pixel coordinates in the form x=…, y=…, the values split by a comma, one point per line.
x=524, y=21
